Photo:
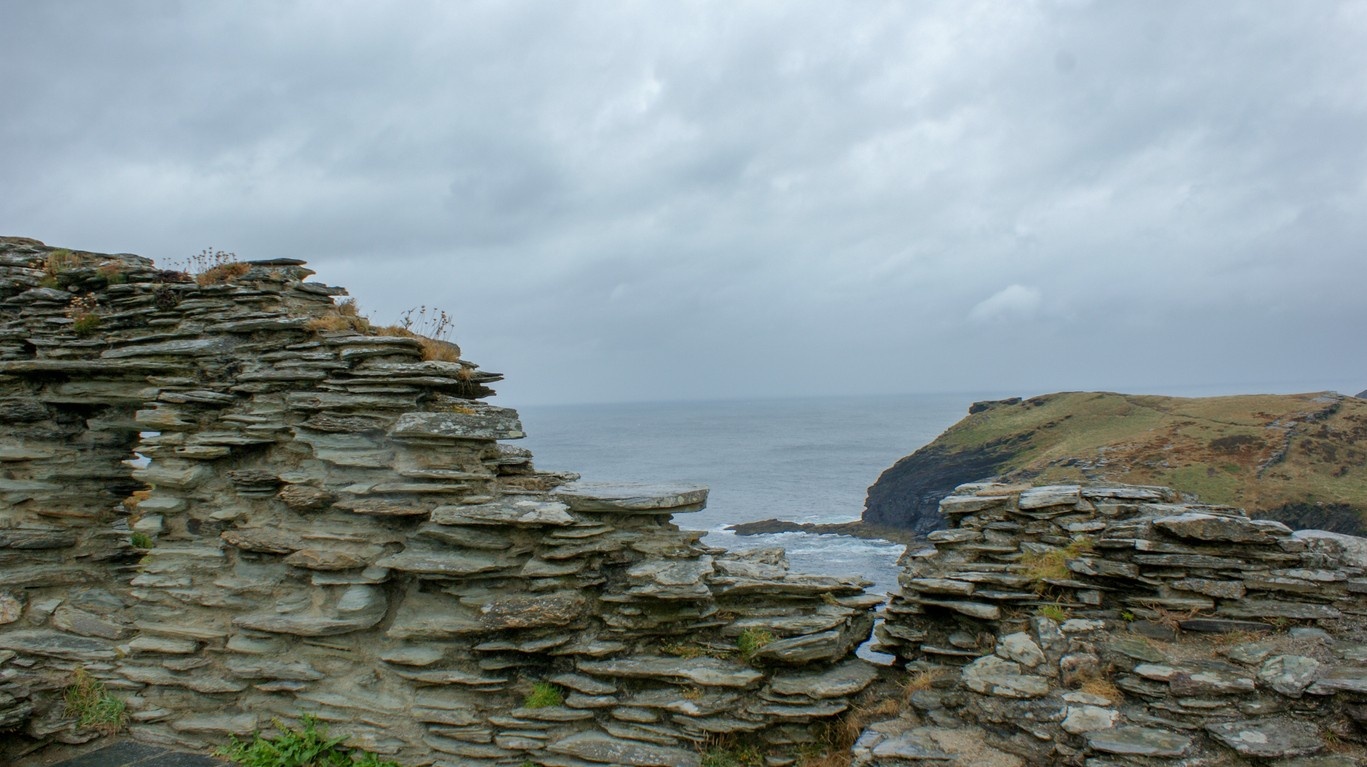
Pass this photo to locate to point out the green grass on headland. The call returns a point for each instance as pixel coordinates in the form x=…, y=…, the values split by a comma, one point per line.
x=1260, y=452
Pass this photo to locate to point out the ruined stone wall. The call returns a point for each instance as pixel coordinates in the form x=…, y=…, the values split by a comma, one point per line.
x=325, y=522
x=1116, y=625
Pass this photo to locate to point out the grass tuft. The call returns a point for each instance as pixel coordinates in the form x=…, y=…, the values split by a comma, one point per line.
x=1102, y=688
x=338, y=322
x=308, y=746
x=751, y=641
x=86, y=324
x=222, y=273
x=1054, y=612
x=544, y=695
x=1042, y=567
x=92, y=705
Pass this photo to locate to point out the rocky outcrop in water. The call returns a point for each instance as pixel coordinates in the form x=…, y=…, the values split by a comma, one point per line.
x=1111, y=625
x=325, y=520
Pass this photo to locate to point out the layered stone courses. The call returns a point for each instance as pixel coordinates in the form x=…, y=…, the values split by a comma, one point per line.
x=1122, y=625
x=337, y=530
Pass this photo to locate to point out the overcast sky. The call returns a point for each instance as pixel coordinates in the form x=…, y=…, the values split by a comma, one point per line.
x=677, y=200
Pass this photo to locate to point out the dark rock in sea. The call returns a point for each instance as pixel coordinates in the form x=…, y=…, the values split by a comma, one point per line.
x=855, y=529
x=908, y=494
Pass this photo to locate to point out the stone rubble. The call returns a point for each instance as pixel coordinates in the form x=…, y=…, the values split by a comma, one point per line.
x=1107, y=626
x=336, y=529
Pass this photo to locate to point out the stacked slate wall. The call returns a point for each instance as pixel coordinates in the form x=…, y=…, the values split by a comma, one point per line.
x=1117, y=625
x=227, y=512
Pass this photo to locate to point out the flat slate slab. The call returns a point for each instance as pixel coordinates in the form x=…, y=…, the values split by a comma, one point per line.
x=633, y=497
x=129, y=754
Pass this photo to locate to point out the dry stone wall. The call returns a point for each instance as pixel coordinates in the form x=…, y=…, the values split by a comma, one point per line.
x=1117, y=625
x=324, y=522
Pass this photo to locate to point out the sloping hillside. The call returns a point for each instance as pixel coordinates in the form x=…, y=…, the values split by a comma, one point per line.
x=1300, y=458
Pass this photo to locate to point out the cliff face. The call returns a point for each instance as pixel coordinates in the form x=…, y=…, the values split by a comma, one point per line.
x=328, y=521
x=1109, y=625
x=1301, y=459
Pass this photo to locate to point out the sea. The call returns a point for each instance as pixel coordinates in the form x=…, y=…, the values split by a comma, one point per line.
x=803, y=460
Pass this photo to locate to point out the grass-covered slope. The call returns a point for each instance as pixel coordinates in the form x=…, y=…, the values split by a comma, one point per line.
x=1300, y=458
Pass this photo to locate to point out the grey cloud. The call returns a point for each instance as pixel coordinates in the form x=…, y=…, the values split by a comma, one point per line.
x=645, y=200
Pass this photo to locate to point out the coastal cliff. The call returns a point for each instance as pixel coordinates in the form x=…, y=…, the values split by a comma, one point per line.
x=1300, y=458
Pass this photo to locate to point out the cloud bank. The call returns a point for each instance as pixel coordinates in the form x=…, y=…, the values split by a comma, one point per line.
x=639, y=201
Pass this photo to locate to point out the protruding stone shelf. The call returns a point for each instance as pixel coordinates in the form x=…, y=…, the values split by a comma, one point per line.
x=633, y=497
x=481, y=423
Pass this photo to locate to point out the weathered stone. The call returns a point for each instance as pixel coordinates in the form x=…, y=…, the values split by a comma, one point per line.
x=305, y=498
x=842, y=680
x=1021, y=648
x=1211, y=527
x=815, y=621
x=941, y=586
x=431, y=616
x=36, y=538
x=1083, y=719
x=636, y=498
x=1210, y=678
x=1269, y=738
x=271, y=541
x=1341, y=678
x=972, y=609
x=509, y=511
x=483, y=422
x=1219, y=626
x=532, y=611
x=217, y=724
x=423, y=558
x=912, y=747
x=76, y=621
x=1076, y=668
x=671, y=578
x=825, y=645
x=256, y=668
x=11, y=608
x=1289, y=674
x=1221, y=589
x=1081, y=626
x=166, y=645
x=326, y=559
x=58, y=645
x=954, y=505
x=453, y=676
x=181, y=347
x=706, y=672
x=1268, y=608
x=1350, y=550
x=992, y=675
x=359, y=607
x=1139, y=741
x=1127, y=493
x=1052, y=495
x=1134, y=647
x=601, y=749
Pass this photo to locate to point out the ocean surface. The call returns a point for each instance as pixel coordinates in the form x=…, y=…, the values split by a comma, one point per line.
x=805, y=460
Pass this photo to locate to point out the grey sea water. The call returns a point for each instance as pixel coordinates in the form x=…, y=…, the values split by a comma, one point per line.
x=805, y=460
